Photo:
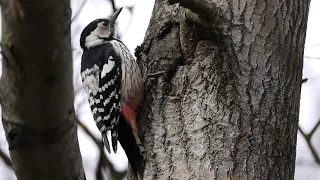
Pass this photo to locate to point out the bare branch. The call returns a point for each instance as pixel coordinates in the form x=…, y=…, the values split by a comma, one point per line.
x=310, y=57
x=78, y=11
x=304, y=80
x=308, y=139
x=113, y=4
x=75, y=16
x=103, y=161
x=86, y=130
x=19, y=10
x=15, y=6
x=7, y=55
x=314, y=129
x=100, y=164
x=315, y=45
x=5, y=158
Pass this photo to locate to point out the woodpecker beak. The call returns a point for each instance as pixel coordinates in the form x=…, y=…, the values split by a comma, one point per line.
x=114, y=16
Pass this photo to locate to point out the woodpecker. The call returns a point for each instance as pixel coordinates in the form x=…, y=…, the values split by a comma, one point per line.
x=113, y=83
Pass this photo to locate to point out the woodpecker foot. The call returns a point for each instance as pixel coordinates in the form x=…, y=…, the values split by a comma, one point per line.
x=129, y=114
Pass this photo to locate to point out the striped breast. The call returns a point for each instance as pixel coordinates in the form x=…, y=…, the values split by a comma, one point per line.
x=132, y=84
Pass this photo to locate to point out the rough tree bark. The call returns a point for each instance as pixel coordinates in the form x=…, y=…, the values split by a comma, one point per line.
x=36, y=90
x=226, y=105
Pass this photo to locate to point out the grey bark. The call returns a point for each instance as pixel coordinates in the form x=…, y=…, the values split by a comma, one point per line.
x=227, y=104
x=36, y=90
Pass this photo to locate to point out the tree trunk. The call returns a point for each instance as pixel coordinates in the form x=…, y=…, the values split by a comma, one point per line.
x=36, y=90
x=222, y=88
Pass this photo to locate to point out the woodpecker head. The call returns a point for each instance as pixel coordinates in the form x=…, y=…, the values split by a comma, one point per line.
x=99, y=31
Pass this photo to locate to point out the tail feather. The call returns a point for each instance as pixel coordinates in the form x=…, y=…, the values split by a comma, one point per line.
x=114, y=138
x=132, y=146
x=106, y=142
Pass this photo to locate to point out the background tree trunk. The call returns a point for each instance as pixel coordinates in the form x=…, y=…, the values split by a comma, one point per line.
x=227, y=104
x=36, y=90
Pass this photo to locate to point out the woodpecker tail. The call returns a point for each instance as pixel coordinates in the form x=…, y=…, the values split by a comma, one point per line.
x=106, y=142
x=133, y=147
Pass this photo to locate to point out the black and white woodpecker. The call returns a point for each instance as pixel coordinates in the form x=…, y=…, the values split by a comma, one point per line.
x=113, y=83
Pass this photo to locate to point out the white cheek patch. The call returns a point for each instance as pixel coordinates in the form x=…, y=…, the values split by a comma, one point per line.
x=107, y=67
x=94, y=39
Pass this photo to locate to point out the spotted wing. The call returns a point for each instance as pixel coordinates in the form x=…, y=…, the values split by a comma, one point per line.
x=104, y=95
x=109, y=88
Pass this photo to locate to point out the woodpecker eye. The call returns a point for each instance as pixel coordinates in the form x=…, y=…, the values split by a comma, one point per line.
x=105, y=23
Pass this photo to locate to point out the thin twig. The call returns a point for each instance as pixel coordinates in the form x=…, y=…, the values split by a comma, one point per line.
x=304, y=80
x=76, y=15
x=311, y=57
x=100, y=164
x=14, y=5
x=315, y=45
x=5, y=158
x=86, y=130
x=113, y=4
x=19, y=10
x=103, y=158
x=308, y=139
x=314, y=129
x=7, y=55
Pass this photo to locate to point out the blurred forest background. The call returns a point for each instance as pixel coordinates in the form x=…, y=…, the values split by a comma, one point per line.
x=132, y=24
